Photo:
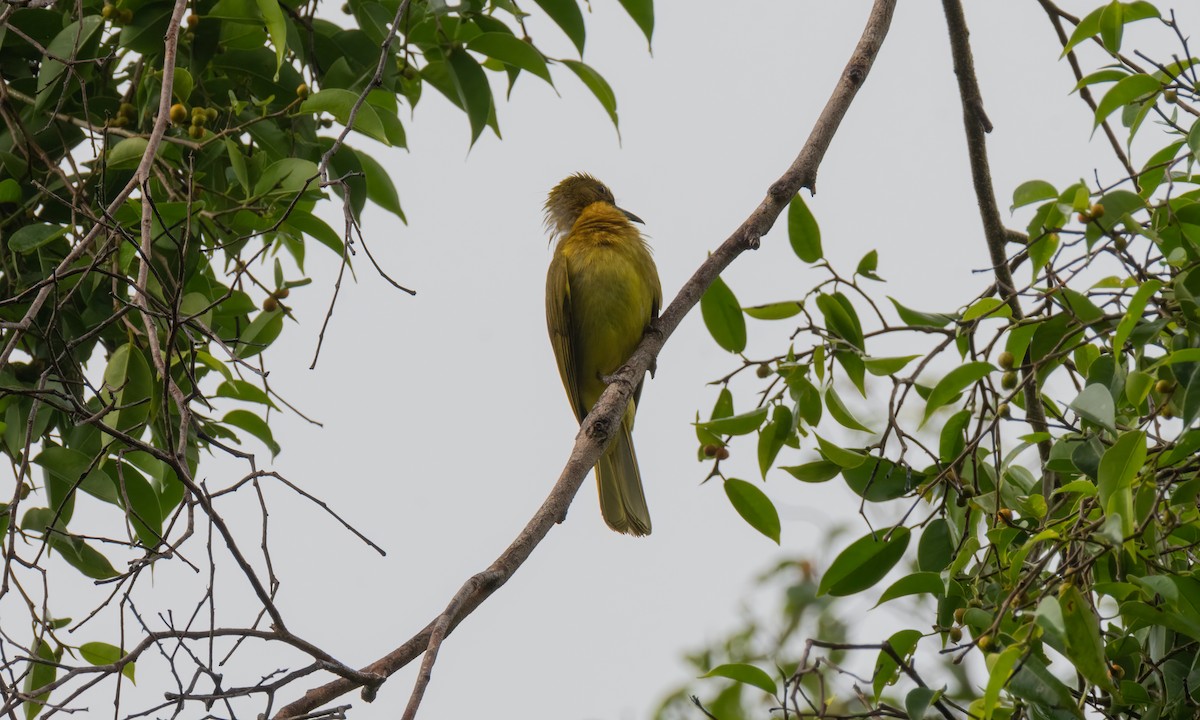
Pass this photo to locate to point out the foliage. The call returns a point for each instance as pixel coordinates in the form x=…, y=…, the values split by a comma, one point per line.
x=1040, y=450
x=138, y=298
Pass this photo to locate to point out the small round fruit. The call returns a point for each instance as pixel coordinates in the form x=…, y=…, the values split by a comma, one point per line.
x=710, y=450
x=1004, y=411
x=302, y=90
x=107, y=11
x=178, y=114
x=196, y=132
x=1120, y=243
x=326, y=123
x=984, y=641
x=282, y=292
x=125, y=16
x=1008, y=380
x=128, y=111
x=1166, y=412
x=958, y=615
x=763, y=371
x=1083, y=217
x=270, y=304
x=193, y=20
x=955, y=634
x=346, y=8
x=119, y=121
x=1007, y=361
x=722, y=453
x=1164, y=386
x=1004, y=515
x=211, y=114
x=1117, y=671
x=1170, y=95
x=1097, y=211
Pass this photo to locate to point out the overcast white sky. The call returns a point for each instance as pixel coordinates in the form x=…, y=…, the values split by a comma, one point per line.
x=445, y=422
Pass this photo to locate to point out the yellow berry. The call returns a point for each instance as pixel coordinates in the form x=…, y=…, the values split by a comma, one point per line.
x=1164, y=386
x=1170, y=95
x=1007, y=360
x=178, y=113
x=302, y=90
x=107, y=11
x=1004, y=411
x=955, y=634
x=1097, y=210
x=984, y=641
x=1008, y=380
x=193, y=20
x=270, y=304
x=196, y=132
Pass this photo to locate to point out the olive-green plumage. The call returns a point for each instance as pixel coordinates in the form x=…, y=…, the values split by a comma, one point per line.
x=602, y=291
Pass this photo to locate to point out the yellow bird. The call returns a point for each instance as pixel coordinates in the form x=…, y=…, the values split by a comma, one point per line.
x=602, y=291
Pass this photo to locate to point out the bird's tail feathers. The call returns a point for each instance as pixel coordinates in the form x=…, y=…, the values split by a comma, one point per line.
x=622, y=501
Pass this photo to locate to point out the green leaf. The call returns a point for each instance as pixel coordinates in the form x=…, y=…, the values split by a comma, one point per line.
x=953, y=383
x=803, y=232
x=1095, y=403
x=936, y=548
x=10, y=191
x=127, y=154
x=380, y=188
x=723, y=316
x=987, y=308
x=842, y=457
x=743, y=424
x=595, y=82
x=40, y=675
x=865, y=562
x=914, y=318
x=903, y=643
x=512, y=50
x=917, y=583
x=1133, y=314
x=237, y=162
x=817, y=471
x=28, y=238
x=1034, y=683
x=1112, y=26
x=840, y=413
x=1126, y=91
x=128, y=385
x=754, y=506
x=244, y=391
x=868, y=265
x=1088, y=27
x=999, y=671
x=772, y=437
x=775, y=311
x=260, y=333
x=918, y=700
x=1118, y=468
x=1032, y=191
x=316, y=228
x=566, y=14
x=71, y=43
x=276, y=28
x=100, y=653
x=746, y=674
x=254, y=425
x=182, y=84
x=642, y=12
x=339, y=102
x=879, y=479
x=840, y=318
x=883, y=367
x=1085, y=649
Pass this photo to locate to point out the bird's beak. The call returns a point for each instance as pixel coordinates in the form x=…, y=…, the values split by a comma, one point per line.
x=631, y=216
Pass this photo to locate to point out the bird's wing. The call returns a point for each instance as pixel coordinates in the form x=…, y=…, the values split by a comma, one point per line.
x=558, y=322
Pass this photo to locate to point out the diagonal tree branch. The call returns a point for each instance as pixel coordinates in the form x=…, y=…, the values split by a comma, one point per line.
x=597, y=429
x=977, y=125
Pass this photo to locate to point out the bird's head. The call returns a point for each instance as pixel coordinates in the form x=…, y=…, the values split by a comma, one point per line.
x=569, y=198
